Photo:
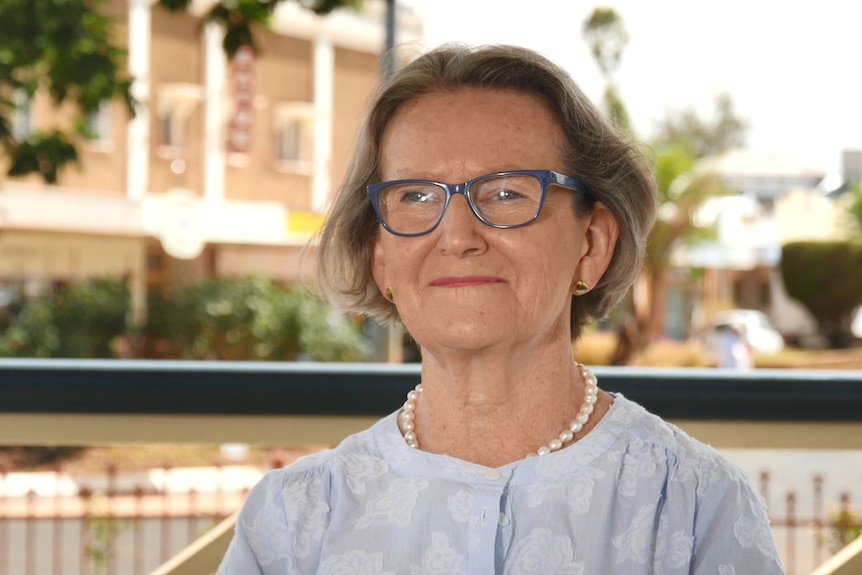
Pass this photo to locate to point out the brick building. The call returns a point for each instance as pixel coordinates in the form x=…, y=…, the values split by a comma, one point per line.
x=226, y=168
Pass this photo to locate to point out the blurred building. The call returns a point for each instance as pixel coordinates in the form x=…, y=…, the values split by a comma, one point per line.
x=772, y=200
x=225, y=169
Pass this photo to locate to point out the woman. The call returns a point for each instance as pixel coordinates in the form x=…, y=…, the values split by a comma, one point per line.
x=494, y=212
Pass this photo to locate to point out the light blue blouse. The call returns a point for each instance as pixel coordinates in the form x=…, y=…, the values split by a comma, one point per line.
x=635, y=496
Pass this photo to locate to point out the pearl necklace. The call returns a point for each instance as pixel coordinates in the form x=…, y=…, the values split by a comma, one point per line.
x=407, y=417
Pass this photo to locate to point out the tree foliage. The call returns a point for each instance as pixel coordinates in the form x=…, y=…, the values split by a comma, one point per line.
x=682, y=190
x=241, y=18
x=251, y=318
x=255, y=318
x=65, y=49
x=811, y=275
x=703, y=137
x=79, y=321
x=605, y=33
x=682, y=140
x=854, y=210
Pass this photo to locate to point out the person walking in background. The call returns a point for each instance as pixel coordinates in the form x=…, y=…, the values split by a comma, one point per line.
x=734, y=351
x=493, y=211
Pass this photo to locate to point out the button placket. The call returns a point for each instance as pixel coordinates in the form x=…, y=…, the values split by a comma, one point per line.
x=493, y=474
x=485, y=519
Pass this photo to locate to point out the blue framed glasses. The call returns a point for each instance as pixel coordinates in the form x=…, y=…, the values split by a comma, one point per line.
x=509, y=199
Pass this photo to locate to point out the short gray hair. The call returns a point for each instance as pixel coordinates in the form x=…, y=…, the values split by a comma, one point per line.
x=596, y=152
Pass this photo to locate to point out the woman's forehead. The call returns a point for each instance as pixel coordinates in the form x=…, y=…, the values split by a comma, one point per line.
x=470, y=129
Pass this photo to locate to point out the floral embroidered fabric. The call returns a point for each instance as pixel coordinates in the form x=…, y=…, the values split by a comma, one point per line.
x=635, y=496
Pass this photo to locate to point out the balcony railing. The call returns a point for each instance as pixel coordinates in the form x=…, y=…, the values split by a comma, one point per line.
x=81, y=402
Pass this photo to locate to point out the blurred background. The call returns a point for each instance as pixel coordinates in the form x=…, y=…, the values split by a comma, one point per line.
x=165, y=165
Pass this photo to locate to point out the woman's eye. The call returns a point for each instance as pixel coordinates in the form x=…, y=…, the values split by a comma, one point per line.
x=506, y=195
x=416, y=196
x=412, y=196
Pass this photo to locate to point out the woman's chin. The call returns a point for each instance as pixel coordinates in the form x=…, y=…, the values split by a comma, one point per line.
x=462, y=336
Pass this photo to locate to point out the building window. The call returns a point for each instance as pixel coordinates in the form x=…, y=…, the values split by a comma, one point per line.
x=289, y=141
x=22, y=116
x=169, y=130
x=294, y=136
x=99, y=124
x=176, y=103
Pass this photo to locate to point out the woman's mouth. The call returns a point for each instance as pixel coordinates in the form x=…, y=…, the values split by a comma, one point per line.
x=465, y=281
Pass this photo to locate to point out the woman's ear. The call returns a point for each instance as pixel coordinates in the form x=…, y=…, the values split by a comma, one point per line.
x=600, y=240
x=378, y=265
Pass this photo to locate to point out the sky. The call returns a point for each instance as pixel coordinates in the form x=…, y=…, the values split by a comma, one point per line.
x=793, y=70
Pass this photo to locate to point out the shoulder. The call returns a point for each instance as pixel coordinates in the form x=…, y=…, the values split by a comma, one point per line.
x=285, y=515
x=312, y=473
x=727, y=515
x=684, y=453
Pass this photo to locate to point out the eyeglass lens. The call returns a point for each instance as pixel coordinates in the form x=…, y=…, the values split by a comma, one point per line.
x=412, y=208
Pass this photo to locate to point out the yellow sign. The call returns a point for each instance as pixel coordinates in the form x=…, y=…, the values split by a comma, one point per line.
x=304, y=223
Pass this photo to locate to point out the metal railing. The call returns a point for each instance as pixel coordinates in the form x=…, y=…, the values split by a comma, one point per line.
x=82, y=402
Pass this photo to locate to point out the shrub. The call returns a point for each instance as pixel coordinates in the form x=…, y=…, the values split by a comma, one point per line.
x=255, y=318
x=78, y=321
x=825, y=277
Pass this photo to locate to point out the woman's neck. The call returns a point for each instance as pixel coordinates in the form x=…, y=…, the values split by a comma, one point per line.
x=493, y=409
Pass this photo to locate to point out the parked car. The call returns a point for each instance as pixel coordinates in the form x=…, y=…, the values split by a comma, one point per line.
x=755, y=326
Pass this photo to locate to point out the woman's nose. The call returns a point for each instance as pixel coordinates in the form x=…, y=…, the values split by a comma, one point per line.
x=460, y=228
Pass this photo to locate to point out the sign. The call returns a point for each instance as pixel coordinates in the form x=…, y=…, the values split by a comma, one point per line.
x=182, y=227
x=241, y=128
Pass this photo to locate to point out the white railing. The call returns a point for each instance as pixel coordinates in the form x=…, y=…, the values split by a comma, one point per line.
x=64, y=403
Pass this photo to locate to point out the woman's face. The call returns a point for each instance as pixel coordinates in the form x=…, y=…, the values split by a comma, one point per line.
x=465, y=285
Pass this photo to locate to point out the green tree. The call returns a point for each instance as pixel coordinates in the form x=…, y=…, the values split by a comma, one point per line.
x=702, y=138
x=242, y=19
x=80, y=321
x=605, y=33
x=67, y=49
x=255, y=318
x=854, y=210
x=682, y=141
x=682, y=191
x=64, y=48
x=808, y=270
x=683, y=147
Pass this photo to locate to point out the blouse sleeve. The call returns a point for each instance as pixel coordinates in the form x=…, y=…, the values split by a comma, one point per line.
x=259, y=543
x=732, y=534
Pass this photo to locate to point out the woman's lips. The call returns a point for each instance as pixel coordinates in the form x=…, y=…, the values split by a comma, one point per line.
x=466, y=281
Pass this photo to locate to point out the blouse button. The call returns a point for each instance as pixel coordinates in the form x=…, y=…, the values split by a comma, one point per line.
x=504, y=520
x=493, y=474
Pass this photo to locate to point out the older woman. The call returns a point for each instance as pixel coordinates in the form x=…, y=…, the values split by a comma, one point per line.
x=493, y=212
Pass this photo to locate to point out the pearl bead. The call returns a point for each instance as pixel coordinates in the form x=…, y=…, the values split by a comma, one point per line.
x=408, y=426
